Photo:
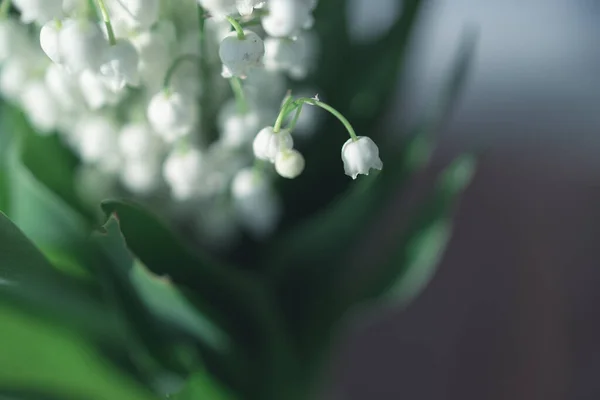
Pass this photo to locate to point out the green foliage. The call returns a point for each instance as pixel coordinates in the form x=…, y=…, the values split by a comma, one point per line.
x=132, y=311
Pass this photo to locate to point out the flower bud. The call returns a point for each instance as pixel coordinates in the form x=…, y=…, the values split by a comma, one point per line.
x=182, y=172
x=49, y=41
x=95, y=93
x=120, y=67
x=360, y=156
x=40, y=106
x=143, y=13
x=64, y=88
x=82, y=45
x=267, y=143
x=14, y=40
x=141, y=176
x=289, y=163
x=246, y=7
x=240, y=55
x=97, y=142
x=172, y=115
x=257, y=206
x=137, y=141
x=286, y=17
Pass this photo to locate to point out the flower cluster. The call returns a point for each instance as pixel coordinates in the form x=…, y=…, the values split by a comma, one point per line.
x=138, y=90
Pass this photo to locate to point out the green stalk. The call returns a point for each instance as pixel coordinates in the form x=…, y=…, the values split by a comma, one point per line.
x=106, y=18
x=238, y=28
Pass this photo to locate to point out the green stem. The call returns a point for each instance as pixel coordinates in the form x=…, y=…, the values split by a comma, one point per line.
x=336, y=113
x=238, y=28
x=295, y=120
x=173, y=68
x=240, y=97
x=106, y=18
x=4, y=9
x=285, y=110
x=204, y=76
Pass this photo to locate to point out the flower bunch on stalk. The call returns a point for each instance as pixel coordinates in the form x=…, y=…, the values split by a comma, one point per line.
x=137, y=89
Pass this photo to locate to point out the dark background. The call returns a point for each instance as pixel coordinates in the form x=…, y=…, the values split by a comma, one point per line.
x=513, y=310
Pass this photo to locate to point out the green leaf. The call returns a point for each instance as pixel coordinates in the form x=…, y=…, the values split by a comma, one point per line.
x=26, y=277
x=39, y=207
x=158, y=338
x=169, y=302
x=201, y=386
x=236, y=301
x=412, y=264
x=45, y=358
x=49, y=222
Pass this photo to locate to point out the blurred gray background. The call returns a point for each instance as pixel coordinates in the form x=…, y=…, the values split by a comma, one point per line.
x=513, y=312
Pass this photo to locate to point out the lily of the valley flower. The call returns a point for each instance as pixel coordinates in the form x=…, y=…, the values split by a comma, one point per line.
x=268, y=143
x=240, y=55
x=360, y=156
x=289, y=163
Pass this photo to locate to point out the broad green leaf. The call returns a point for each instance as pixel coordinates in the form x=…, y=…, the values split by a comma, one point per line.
x=40, y=194
x=26, y=277
x=49, y=222
x=38, y=356
x=156, y=336
x=240, y=304
x=169, y=303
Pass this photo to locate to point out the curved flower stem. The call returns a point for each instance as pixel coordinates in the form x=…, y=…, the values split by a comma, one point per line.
x=295, y=120
x=336, y=113
x=288, y=106
x=4, y=9
x=173, y=68
x=238, y=28
x=240, y=96
x=106, y=18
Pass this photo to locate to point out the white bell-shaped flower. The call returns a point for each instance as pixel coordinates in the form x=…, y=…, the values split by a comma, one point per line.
x=266, y=87
x=172, y=115
x=143, y=13
x=141, y=176
x=286, y=18
x=82, y=45
x=95, y=93
x=360, y=156
x=267, y=143
x=240, y=55
x=14, y=40
x=246, y=7
x=238, y=129
x=289, y=163
x=96, y=140
x=14, y=75
x=64, y=88
x=49, y=40
x=40, y=11
x=283, y=54
x=219, y=8
x=154, y=57
x=182, y=171
x=40, y=106
x=256, y=204
x=120, y=67
x=138, y=141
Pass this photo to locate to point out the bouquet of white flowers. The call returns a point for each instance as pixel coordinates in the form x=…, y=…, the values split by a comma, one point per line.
x=213, y=276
